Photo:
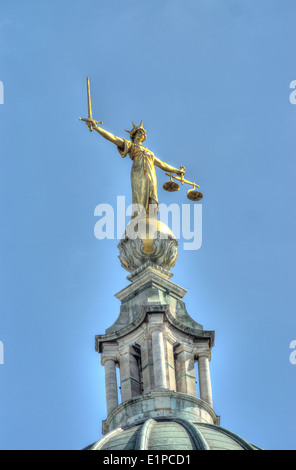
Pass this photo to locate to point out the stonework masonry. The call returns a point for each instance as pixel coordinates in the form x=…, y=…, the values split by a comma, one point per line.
x=155, y=344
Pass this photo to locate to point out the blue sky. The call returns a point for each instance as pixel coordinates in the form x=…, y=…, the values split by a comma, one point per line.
x=211, y=81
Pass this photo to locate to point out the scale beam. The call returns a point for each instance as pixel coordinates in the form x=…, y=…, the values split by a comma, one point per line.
x=173, y=186
x=182, y=180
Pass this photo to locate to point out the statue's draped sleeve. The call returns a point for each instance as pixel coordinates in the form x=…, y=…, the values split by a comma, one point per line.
x=126, y=148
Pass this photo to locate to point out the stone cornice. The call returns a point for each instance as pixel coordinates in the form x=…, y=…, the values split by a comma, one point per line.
x=147, y=277
x=193, y=332
x=153, y=267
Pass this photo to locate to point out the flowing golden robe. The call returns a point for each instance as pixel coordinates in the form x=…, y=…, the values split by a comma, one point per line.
x=143, y=176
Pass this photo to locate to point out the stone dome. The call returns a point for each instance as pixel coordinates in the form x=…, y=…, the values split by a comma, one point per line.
x=171, y=434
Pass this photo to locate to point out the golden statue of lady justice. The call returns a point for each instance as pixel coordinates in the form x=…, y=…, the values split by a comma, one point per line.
x=143, y=176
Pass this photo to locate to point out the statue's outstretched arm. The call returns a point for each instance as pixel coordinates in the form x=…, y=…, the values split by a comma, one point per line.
x=107, y=135
x=165, y=167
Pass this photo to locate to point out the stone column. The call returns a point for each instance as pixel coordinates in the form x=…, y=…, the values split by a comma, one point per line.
x=147, y=364
x=185, y=372
x=125, y=382
x=129, y=374
x=111, y=385
x=205, y=387
x=170, y=363
x=158, y=354
x=135, y=375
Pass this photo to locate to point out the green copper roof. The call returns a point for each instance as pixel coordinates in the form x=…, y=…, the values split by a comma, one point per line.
x=172, y=434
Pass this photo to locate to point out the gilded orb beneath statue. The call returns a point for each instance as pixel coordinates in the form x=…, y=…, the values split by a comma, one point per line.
x=147, y=239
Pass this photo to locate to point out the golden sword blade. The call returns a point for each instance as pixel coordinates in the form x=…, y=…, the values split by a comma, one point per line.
x=88, y=99
x=89, y=106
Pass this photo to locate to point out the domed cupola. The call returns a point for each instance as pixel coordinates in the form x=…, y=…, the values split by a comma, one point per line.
x=172, y=434
x=155, y=344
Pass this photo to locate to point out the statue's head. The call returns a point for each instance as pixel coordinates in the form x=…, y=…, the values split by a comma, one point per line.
x=138, y=130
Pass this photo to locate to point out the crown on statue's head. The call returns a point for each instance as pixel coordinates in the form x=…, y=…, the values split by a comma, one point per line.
x=135, y=128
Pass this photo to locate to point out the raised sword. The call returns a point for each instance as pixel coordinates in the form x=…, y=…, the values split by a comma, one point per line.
x=90, y=118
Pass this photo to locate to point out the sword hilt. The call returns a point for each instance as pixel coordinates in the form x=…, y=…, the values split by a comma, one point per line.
x=90, y=120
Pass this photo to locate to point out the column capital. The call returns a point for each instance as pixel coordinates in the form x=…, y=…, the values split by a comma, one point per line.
x=159, y=327
x=104, y=359
x=144, y=338
x=185, y=348
x=169, y=336
x=109, y=351
x=123, y=350
x=204, y=353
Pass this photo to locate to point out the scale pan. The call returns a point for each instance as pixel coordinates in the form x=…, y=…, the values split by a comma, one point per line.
x=171, y=186
x=194, y=195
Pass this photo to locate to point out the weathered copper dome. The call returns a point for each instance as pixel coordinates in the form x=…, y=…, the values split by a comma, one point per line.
x=171, y=434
